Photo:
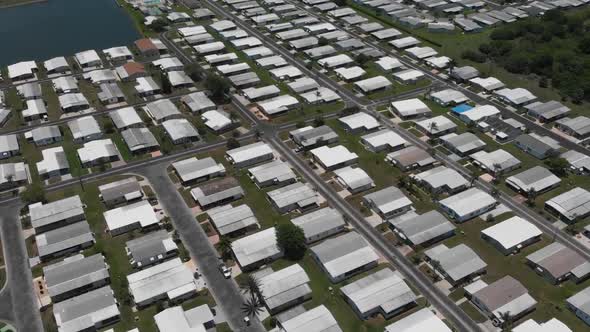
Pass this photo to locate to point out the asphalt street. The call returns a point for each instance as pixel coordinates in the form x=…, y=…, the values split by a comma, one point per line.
x=18, y=303
x=225, y=291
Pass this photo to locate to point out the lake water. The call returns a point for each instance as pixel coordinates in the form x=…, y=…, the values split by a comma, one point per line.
x=61, y=28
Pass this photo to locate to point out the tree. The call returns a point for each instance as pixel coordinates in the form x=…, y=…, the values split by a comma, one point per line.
x=109, y=128
x=291, y=240
x=531, y=196
x=251, y=286
x=318, y=121
x=300, y=124
x=33, y=193
x=490, y=218
x=557, y=165
x=219, y=86
x=194, y=71
x=495, y=192
x=232, y=143
x=507, y=320
x=166, y=85
x=323, y=41
x=159, y=25
x=340, y=3
x=362, y=59
x=433, y=127
x=251, y=307
x=224, y=247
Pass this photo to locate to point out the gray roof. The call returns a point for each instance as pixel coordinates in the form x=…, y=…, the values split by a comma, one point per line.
x=533, y=144
x=411, y=155
x=319, y=221
x=63, y=238
x=198, y=101
x=276, y=171
x=465, y=73
x=114, y=190
x=503, y=292
x=442, y=177
x=216, y=191
x=311, y=136
x=46, y=214
x=388, y=199
x=16, y=172
x=457, y=262
x=463, y=143
x=345, y=253
x=228, y=219
x=571, y=204
x=86, y=311
x=559, y=260
x=125, y=117
x=47, y=132
x=579, y=125
x=179, y=129
x=162, y=109
x=422, y=228
x=30, y=90
x=75, y=273
x=284, y=286
x=537, y=178
x=581, y=300
x=296, y=193
x=144, y=250
x=499, y=157
x=193, y=168
x=383, y=289
x=139, y=138
x=83, y=127
x=9, y=143
x=547, y=110
x=109, y=91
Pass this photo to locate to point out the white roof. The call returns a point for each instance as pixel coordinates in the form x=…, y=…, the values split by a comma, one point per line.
x=246, y=42
x=287, y=72
x=35, y=107
x=179, y=129
x=345, y=253
x=86, y=57
x=439, y=123
x=374, y=83
x=360, y=120
x=318, y=319
x=72, y=100
x=222, y=25
x=489, y=160
x=256, y=247
x=353, y=178
x=83, y=127
x=303, y=84
x=209, y=47
x=537, y=178
x=86, y=311
x=175, y=319
x=249, y=152
x=97, y=149
x=410, y=107
x=322, y=94
x=228, y=219
x=278, y=104
x=468, y=201
x=442, y=176
x=259, y=51
x=552, y=325
x=55, y=63
x=118, y=52
x=438, y=61
x=479, y=112
x=386, y=33
x=271, y=61
x=404, y=42
x=571, y=204
x=191, y=31
x=216, y=120
x=255, y=93
x=385, y=137
x=422, y=52
x=178, y=78
x=517, y=96
x=489, y=83
x=167, y=63
x=284, y=285
x=388, y=63
x=100, y=76
x=193, y=168
x=22, y=68
x=332, y=156
x=53, y=159
x=350, y=73
x=512, y=232
x=141, y=212
x=335, y=61
x=124, y=117
x=276, y=171
x=409, y=75
x=420, y=321
x=171, y=278
x=450, y=96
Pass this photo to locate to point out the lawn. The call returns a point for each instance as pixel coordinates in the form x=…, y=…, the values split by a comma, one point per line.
x=551, y=298
x=113, y=248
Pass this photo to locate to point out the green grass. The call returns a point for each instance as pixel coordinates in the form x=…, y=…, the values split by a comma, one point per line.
x=551, y=298
x=50, y=97
x=113, y=248
x=473, y=312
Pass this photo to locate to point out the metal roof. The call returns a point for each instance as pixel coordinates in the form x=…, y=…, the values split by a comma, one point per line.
x=284, y=286
x=318, y=222
x=228, y=219
x=422, y=228
x=388, y=199
x=457, y=262
x=537, y=178
x=76, y=272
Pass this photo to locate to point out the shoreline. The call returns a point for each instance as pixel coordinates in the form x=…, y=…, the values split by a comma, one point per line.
x=24, y=3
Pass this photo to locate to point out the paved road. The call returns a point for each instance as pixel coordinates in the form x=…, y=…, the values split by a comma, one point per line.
x=21, y=307
x=225, y=291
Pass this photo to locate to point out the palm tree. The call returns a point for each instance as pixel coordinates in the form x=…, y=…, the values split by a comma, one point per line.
x=472, y=180
x=251, y=286
x=497, y=168
x=531, y=196
x=507, y=320
x=495, y=192
x=224, y=246
x=251, y=307
x=433, y=127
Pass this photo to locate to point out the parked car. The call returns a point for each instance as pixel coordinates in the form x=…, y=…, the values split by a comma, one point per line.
x=226, y=271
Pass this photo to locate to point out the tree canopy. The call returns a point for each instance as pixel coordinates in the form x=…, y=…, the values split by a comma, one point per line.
x=291, y=240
